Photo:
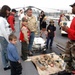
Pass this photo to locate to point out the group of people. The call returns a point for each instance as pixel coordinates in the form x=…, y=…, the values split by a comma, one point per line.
x=47, y=30
x=28, y=28
x=8, y=40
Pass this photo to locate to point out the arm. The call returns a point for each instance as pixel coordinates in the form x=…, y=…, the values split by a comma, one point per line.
x=14, y=53
x=71, y=33
x=11, y=22
x=3, y=30
x=24, y=31
x=71, y=30
x=54, y=28
x=48, y=28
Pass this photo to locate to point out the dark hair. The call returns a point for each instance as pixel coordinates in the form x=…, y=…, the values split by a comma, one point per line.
x=3, y=10
x=42, y=11
x=13, y=10
x=28, y=9
x=11, y=37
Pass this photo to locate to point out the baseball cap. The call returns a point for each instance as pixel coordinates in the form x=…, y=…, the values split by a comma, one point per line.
x=14, y=10
x=72, y=5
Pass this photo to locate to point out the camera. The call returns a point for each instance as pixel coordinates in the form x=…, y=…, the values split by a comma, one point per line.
x=64, y=23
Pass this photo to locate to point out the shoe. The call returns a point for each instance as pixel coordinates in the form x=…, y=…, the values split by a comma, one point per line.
x=30, y=53
x=23, y=58
x=28, y=60
x=50, y=47
x=6, y=68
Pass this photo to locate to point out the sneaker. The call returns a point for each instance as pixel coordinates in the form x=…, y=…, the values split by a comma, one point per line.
x=30, y=53
x=28, y=60
x=23, y=58
x=7, y=68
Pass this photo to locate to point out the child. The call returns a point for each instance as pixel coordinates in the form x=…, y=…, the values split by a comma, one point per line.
x=11, y=20
x=50, y=29
x=16, y=68
x=24, y=38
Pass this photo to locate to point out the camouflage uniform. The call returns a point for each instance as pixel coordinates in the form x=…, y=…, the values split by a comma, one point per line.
x=70, y=56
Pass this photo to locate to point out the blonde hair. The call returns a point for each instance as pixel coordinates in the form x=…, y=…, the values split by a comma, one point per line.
x=44, y=18
x=51, y=21
x=23, y=19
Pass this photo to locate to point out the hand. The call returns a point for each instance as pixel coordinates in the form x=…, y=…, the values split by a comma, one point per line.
x=27, y=42
x=49, y=31
x=64, y=28
x=19, y=61
x=20, y=41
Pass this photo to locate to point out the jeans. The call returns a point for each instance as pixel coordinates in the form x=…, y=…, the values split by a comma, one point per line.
x=32, y=35
x=4, y=44
x=16, y=68
x=51, y=41
x=24, y=50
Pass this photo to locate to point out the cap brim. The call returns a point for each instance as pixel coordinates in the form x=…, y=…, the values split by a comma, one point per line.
x=71, y=5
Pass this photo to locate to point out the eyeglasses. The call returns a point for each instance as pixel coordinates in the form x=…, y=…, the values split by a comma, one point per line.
x=25, y=20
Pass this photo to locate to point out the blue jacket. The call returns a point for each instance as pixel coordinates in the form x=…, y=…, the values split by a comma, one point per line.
x=12, y=52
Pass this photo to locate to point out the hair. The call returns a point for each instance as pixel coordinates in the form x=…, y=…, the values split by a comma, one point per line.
x=3, y=10
x=24, y=19
x=51, y=21
x=42, y=11
x=20, y=10
x=14, y=10
x=11, y=37
x=28, y=9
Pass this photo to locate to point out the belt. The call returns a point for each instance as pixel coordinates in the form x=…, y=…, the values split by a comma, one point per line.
x=32, y=32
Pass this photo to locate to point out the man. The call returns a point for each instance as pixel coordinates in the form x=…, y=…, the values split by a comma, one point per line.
x=11, y=19
x=32, y=25
x=70, y=47
x=20, y=16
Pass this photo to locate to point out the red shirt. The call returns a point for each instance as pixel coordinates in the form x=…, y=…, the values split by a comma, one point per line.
x=71, y=30
x=22, y=35
x=11, y=21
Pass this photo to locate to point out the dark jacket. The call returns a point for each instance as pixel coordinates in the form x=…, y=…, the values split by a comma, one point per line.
x=43, y=24
x=52, y=28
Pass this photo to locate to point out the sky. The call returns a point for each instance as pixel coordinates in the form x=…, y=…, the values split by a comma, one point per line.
x=53, y=4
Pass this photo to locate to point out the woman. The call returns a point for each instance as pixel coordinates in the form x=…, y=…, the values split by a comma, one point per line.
x=41, y=16
x=4, y=33
x=43, y=30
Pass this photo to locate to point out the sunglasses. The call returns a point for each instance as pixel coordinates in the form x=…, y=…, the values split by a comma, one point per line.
x=51, y=22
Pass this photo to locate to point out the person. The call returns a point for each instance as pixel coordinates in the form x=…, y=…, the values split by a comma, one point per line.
x=32, y=25
x=24, y=38
x=51, y=33
x=11, y=19
x=70, y=46
x=13, y=56
x=4, y=33
x=41, y=16
x=43, y=25
x=62, y=18
x=20, y=16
